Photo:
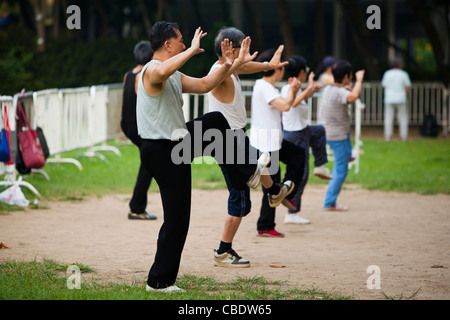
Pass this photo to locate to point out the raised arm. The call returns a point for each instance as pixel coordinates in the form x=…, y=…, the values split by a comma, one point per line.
x=159, y=73
x=284, y=104
x=356, y=91
x=255, y=67
x=212, y=80
x=308, y=92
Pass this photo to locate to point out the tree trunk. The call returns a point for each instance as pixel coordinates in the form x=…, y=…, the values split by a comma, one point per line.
x=39, y=7
x=147, y=21
x=320, y=38
x=56, y=18
x=163, y=11
x=362, y=37
x=285, y=28
x=255, y=24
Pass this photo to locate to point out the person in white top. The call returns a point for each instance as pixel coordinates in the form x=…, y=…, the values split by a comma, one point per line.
x=227, y=98
x=266, y=134
x=396, y=85
x=297, y=130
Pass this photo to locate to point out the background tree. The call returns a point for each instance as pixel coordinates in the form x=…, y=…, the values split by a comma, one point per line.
x=435, y=18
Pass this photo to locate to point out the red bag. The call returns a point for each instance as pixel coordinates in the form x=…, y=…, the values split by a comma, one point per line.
x=29, y=145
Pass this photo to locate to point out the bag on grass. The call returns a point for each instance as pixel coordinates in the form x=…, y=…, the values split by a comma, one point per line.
x=14, y=196
x=29, y=145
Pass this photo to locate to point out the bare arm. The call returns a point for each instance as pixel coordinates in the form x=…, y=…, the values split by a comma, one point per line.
x=307, y=93
x=356, y=91
x=284, y=104
x=244, y=56
x=212, y=80
x=255, y=67
x=159, y=73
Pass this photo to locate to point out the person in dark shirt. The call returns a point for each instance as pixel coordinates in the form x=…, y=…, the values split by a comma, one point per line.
x=143, y=53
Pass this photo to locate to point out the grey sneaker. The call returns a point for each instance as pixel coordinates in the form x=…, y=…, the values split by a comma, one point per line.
x=230, y=259
x=263, y=162
x=286, y=189
x=323, y=173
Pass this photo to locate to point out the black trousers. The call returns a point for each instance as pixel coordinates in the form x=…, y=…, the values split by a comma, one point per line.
x=174, y=180
x=138, y=202
x=294, y=158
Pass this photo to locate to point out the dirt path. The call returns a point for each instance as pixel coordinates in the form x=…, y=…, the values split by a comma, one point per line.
x=406, y=235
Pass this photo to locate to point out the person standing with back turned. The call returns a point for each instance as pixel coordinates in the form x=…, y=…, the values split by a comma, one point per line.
x=143, y=53
x=396, y=84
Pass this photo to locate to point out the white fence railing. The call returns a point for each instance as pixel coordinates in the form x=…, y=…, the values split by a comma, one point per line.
x=85, y=117
x=423, y=98
x=71, y=119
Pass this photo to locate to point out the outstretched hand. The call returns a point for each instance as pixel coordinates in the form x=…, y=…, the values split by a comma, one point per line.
x=275, y=62
x=195, y=44
x=244, y=53
x=227, y=51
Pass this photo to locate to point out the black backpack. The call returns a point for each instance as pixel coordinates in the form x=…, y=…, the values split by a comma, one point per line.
x=430, y=127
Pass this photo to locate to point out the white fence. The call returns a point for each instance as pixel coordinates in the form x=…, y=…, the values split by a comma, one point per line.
x=71, y=119
x=88, y=116
x=423, y=98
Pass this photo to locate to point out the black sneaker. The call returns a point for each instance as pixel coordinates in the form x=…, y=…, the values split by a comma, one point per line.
x=141, y=216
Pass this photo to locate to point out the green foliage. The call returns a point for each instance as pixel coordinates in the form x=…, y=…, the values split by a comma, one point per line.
x=67, y=62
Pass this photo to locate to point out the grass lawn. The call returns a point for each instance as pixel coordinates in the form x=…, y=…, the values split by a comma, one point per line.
x=420, y=165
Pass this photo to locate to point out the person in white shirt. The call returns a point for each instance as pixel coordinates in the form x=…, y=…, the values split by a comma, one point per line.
x=266, y=134
x=227, y=98
x=396, y=85
x=298, y=131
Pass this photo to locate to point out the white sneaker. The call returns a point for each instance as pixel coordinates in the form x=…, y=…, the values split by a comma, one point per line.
x=337, y=207
x=323, y=173
x=295, y=219
x=170, y=289
x=263, y=162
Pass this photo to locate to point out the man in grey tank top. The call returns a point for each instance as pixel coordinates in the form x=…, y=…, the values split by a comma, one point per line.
x=161, y=125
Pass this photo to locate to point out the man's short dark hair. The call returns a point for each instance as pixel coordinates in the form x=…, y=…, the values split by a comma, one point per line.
x=143, y=52
x=296, y=65
x=340, y=69
x=266, y=56
x=234, y=35
x=161, y=32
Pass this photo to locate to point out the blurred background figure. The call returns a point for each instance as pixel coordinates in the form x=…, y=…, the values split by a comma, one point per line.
x=325, y=71
x=396, y=84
